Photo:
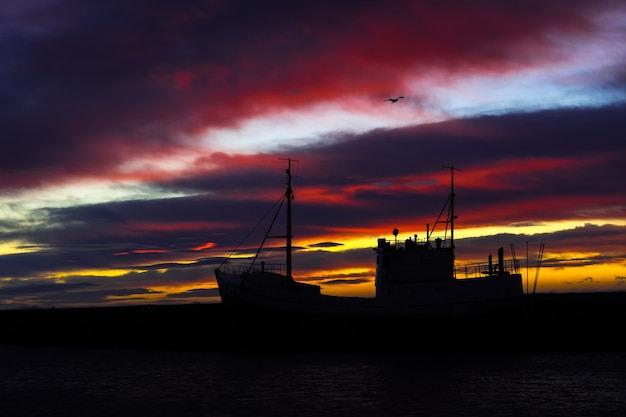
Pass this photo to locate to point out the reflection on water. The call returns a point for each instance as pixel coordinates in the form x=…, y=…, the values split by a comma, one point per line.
x=99, y=382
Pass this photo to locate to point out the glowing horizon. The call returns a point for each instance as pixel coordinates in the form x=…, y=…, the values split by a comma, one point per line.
x=130, y=172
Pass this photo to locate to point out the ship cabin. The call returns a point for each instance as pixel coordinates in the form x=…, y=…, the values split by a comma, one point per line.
x=413, y=261
x=405, y=269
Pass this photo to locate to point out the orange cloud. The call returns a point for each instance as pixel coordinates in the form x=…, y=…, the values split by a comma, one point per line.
x=207, y=245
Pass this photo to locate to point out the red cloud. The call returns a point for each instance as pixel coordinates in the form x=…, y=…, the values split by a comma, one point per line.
x=177, y=74
x=207, y=245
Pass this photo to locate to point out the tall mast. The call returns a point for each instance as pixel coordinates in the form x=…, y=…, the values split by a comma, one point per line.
x=452, y=215
x=289, y=198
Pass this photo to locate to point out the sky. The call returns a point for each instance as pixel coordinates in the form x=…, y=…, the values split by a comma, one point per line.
x=143, y=142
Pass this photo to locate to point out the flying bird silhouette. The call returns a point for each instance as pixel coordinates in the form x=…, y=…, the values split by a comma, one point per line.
x=393, y=100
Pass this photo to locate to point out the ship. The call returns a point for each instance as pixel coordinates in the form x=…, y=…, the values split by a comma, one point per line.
x=413, y=279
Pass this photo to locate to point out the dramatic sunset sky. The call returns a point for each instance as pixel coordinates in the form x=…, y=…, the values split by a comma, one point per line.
x=141, y=140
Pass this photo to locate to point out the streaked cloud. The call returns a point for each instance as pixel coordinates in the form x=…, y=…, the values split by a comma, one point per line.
x=141, y=139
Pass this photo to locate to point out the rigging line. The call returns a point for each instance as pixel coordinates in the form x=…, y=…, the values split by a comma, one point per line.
x=280, y=200
x=439, y=217
x=267, y=233
x=539, y=259
x=445, y=233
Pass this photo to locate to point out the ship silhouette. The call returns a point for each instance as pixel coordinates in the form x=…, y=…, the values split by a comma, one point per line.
x=414, y=279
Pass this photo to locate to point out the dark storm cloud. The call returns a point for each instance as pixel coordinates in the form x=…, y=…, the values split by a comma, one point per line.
x=200, y=292
x=90, y=236
x=603, y=241
x=42, y=288
x=325, y=245
x=564, y=133
x=98, y=290
x=86, y=86
x=66, y=294
x=346, y=280
x=570, y=156
x=75, y=260
x=351, y=258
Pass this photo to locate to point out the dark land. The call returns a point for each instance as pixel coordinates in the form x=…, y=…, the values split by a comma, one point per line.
x=589, y=321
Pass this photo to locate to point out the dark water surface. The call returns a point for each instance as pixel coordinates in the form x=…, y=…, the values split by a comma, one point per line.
x=119, y=382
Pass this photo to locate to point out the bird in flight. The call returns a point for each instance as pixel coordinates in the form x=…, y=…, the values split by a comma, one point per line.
x=393, y=100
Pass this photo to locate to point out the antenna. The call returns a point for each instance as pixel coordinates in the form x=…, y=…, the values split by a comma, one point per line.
x=539, y=259
x=452, y=216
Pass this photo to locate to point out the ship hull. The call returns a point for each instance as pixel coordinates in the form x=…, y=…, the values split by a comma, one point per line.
x=452, y=298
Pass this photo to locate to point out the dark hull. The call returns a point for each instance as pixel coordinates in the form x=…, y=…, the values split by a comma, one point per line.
x=454, y=298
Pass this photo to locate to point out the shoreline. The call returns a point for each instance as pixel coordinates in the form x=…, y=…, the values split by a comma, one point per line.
x=565, y=321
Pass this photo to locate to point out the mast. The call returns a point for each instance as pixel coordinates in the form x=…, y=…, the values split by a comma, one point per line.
x=289, y=198
x=288, y=236
x=452, y=216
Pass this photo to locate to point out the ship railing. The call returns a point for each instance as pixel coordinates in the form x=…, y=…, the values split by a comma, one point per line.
x=407, y=243
x=480, y=270
x=239, y=268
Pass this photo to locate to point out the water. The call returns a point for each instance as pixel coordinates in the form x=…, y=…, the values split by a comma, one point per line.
x=109, y=382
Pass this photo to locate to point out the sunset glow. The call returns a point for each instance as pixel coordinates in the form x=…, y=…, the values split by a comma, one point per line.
x=145, y=145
